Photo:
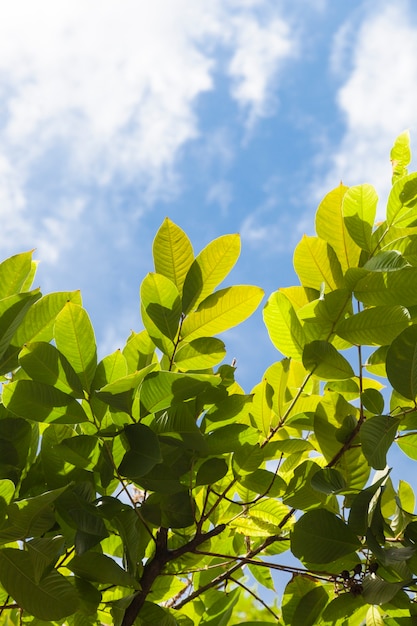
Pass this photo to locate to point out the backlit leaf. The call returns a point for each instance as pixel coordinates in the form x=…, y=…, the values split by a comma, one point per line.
x=161, y=302
x=331, y=227
x=221, y=311
x=172, y=252
x=389, y=288
x=209, y=269
x=359, y=210
x=316, y=264
x=74, y=337
x=284, y=327
x=374, y=326
x=324, y=361
x=42, y=403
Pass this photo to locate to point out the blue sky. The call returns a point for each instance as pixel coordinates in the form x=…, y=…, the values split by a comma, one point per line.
x=225, y=115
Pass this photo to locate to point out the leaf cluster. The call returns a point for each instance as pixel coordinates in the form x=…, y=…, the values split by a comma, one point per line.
x=148, y=488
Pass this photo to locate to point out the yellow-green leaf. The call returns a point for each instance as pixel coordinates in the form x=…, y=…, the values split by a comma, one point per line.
x=359, y=210
x=222, y=310
x=172, y=252
x=283, y=325
x=74, y=337
x=316, y=264
x=331, y=227
x=209, y=269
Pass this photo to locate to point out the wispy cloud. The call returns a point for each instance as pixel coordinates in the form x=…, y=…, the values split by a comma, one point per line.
x=103, y=93
x=378, y=98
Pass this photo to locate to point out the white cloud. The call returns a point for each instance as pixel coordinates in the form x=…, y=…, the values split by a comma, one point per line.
x=97, y=92
x=261, y=50
x=379, y=96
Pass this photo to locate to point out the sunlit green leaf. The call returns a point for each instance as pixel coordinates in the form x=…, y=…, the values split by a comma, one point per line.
x=402, y=202
x=74, y=337
x=323, y=360
x=172, y=252
x=14, y=271
x=388, y=288
x=201, y=353
x=359, y=210
x=331, y=227
x=162, y=389
x=209, y=269
x=400, y=156
x=161, y=302
x=221, y=311
x=316, y=264
x=45, y=364
x=374, y=326
x=283, y=325
x=42, y=403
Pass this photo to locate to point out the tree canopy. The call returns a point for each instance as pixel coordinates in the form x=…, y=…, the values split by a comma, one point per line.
x=149, y=488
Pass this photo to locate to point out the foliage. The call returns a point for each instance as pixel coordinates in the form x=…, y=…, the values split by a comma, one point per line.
x=149, y=488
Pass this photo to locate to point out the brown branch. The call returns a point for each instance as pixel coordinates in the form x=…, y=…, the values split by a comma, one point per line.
x=155, y=566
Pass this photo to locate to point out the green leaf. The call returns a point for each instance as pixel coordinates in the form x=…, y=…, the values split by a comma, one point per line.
x=199, y=354
x=14, y=272
x=400, y=156
x=7, y=489
x=160, y=390
x=379, y=591
x=323, y=360
x=331, y=227
x=102, y=569
x=359, y=210
x=261, y=407
x=377, y=434
x=386, y=261
x=389, y=288
x=44, y=551
x=211, y=471
x=74, y=337
x=45, y=364
x=402, y=202
x=209, y=269
x=311, y=606
x=373, y=401
x=172, y=252
x=42, y=403
x=53, y=598
x=12, y=311
x=328, y=480
x=374, y=326
x=401, y=363
x=139, y=351
x=262, y=575
x=143, y=453
x=321, y=537
x=408, y=444
x=284, y=327
x=161, y=302
x=221, y=311
x=172, y=510
x=316, y=263
x=359, y=511
x=39, y=321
